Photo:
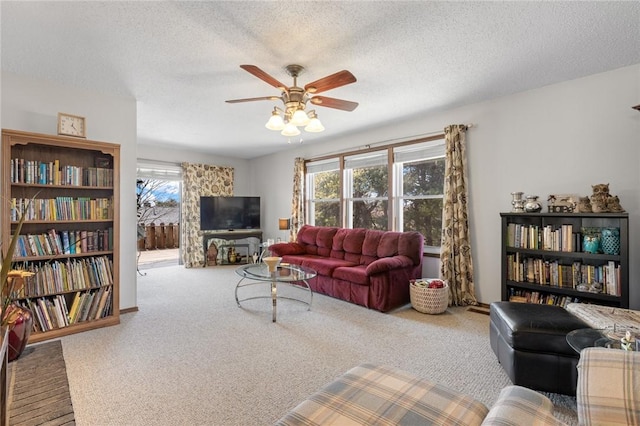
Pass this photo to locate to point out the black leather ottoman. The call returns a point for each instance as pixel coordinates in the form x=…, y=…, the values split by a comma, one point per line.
x=530, y=343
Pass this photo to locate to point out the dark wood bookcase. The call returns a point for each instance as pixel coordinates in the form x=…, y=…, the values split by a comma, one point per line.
x=71, y=236
x=540, y=266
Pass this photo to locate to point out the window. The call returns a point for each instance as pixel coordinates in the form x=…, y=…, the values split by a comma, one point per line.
x=399, y=187
x=366, y=190
x=419, y=189
x=323, y=193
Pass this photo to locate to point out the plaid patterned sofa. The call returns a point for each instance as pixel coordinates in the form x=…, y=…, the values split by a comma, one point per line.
x=380, y=395
x=608, y=394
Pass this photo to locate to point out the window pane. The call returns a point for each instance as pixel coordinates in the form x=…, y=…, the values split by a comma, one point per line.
x=326, y=185
x=423, y=177
x=370, y=214
x=326, y=213
x=371, y=182
x=424, y=216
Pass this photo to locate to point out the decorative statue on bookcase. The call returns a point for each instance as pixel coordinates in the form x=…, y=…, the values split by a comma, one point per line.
x=602, y=201
x=584, y=205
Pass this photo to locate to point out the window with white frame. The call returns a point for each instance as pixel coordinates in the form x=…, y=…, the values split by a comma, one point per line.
x=399, y=187
x=323, y=192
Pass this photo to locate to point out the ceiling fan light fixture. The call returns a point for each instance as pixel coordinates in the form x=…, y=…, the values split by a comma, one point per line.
x=299, y=118
x=290, y=130
x=314, y=126
x=275, y=121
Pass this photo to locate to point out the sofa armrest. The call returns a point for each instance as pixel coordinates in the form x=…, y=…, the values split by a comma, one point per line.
x=608, y=389
x=281, y=249
x=517, y=405
x=388, y=263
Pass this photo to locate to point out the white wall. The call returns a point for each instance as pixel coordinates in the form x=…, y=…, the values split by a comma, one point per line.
x=557, y=139
x=241, y=182
x=33, y=106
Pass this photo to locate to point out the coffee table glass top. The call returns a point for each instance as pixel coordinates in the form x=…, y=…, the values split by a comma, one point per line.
x=292, y=275
x=284, y=273
x=590, y=337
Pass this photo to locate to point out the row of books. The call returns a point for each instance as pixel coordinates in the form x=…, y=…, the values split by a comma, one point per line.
x=55, y=243
x=62, y=208
x=549, y=237
x=52, y=173
x=53, y=312
x=552, y=273
x=58, y=277
x=525, y=296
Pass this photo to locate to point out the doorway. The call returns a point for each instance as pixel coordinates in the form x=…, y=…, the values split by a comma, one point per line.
x=158, y=196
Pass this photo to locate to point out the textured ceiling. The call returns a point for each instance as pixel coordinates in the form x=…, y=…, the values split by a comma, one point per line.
x=180, y=60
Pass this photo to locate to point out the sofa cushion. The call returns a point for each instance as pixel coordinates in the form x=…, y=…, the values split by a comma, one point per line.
x=517, y=406
x=370, y=246
x=608, y=387
x=410, y=244
x=324, y=240
x=353, y=245
x=325, y=265
x=388, y=244
x=370, y=394
x=337, y=249
x=355, y=274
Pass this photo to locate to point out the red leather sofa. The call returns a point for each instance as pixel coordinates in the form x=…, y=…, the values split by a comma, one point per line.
x=367, y=267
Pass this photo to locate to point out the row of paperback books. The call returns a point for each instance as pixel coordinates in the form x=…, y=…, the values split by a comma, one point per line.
x=552, y=273
x=555, y=238
x=55, y=243
x=59, y=277
x=62, y=208
x=52, y=173
x=525, y=296
x=53, y=312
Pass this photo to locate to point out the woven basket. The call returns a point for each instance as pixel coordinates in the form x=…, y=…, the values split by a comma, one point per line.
x=429, y=300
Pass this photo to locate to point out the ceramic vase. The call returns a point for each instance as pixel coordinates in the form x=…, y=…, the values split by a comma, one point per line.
x=610, y=241
x=517, y=202
x=19, y=330
x=531, y=204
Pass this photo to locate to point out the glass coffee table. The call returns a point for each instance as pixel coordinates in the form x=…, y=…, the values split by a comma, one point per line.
x=294, y=275
x=583, y=338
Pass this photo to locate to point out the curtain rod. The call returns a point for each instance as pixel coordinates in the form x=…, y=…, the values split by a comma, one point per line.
x=385, y=142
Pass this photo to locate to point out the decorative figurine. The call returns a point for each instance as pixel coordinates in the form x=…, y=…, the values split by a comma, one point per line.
x=212, y=254
x=584, y=205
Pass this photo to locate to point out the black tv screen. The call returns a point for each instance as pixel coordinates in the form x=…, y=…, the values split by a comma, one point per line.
x=229, y=213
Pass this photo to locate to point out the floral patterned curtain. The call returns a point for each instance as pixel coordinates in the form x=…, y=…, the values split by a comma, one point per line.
x=199, y=180
x=456, y=265
x=297, y=203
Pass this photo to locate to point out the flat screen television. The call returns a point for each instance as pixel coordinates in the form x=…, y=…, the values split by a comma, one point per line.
x=229, y=213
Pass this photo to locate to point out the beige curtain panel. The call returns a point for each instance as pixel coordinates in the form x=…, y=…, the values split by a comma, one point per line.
x=456, y=265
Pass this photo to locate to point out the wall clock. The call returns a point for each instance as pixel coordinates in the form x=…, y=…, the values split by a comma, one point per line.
x=71, y=125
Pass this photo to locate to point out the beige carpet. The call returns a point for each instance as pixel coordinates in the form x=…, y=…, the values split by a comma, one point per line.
x=191, y=356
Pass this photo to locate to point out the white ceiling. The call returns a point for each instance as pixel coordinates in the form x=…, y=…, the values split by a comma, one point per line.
x=180, y=60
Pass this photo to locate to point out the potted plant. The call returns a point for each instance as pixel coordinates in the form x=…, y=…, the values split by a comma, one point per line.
x=17, y=319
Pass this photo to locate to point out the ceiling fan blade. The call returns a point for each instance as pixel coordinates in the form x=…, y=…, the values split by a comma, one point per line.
x=252, y=69
x=334, y=103
x=341, y=78
x=263, y=98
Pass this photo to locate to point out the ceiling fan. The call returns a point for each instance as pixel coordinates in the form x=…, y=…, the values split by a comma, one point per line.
x=295, y=99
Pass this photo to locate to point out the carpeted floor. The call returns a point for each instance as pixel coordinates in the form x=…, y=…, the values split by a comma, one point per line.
x=190, y=355
x=38, y=387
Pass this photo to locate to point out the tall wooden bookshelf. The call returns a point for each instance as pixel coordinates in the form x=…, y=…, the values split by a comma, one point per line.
x=544, y=261
x=71, y=236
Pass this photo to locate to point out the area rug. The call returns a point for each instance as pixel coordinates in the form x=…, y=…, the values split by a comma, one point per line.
x=38, y=387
